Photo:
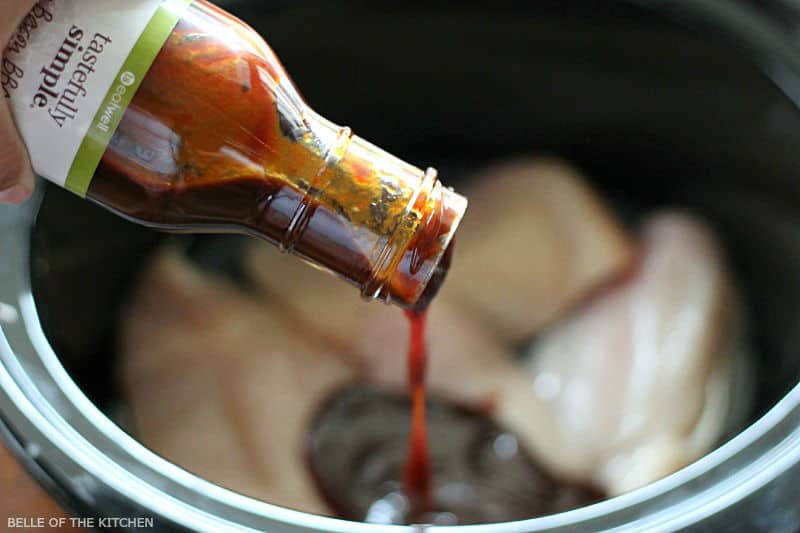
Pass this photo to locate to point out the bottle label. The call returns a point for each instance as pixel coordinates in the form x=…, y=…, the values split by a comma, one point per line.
x=69, y=73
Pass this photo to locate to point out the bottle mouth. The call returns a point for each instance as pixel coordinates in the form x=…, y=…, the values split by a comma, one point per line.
x=436, y=280
x=415, y=261
x=432, y=252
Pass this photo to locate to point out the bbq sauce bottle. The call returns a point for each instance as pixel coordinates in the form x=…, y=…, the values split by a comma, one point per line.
x=176, y=115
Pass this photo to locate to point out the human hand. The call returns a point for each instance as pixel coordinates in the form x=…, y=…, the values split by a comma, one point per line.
x=16, y=175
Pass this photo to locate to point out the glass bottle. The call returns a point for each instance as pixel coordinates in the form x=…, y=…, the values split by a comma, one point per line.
x=217, y=139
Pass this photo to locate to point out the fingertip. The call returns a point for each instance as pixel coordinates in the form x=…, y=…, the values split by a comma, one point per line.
x=16, y=194
x=21, y=188
x=16, y=174
x=16, y=177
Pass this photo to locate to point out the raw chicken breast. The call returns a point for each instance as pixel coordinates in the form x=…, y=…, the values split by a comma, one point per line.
x=638, y=381
x=219, y=383
x=534, y=241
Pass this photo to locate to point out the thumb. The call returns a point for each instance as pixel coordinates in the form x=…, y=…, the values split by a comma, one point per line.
x=16, y=176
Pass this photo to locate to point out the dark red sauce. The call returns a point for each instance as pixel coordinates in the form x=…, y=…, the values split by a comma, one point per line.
x=417, y=473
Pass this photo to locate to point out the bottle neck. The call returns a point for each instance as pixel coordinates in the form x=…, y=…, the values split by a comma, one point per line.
x=400, y=218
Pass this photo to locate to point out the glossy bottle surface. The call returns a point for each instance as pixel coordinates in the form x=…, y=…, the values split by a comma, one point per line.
x=218, y=139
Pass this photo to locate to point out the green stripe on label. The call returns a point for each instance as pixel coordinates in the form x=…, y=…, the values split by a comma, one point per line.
x=120, y=94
